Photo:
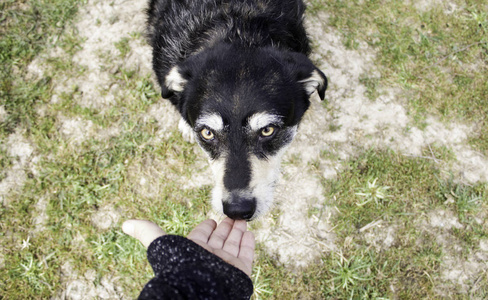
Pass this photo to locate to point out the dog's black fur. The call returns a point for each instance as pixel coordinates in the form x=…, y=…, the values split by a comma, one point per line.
x=237, y=58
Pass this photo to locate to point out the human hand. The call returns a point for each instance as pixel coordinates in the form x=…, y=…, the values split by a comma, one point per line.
x=230, y=240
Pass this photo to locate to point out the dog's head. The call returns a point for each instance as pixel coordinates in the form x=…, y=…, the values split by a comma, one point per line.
x=244, y=107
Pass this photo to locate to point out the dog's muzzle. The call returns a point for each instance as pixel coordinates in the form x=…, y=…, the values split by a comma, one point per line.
x=240, y=208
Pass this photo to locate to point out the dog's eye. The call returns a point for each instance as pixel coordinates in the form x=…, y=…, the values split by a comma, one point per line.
x=267, y=131
x=207, y=134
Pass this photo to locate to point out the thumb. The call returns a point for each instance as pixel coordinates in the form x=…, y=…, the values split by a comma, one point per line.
x=145, y=231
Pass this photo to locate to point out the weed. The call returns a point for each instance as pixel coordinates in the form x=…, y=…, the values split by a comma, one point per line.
x=179, y=222
x=480, y=18
x=355, y=277
x=5, y=163
x=32, y=271
x=123, y=46
x=371, y=84
x=348, y=272
x=373, y=193
x=334, y=127
x=466, y=199
x=261, y=285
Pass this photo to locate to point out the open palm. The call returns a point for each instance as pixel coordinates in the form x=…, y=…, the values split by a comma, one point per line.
x=229, y=240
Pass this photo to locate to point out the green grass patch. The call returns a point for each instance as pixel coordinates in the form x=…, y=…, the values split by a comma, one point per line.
x=410, y=266
x=5, y=163
x=27, y=28
x=77, y=181
x=123, y=46
x=466, y=200
x=437, y=57
x=76, y=185
x=404, y=182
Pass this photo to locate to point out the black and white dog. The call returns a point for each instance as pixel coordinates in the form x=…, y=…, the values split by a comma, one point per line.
x=238, y=72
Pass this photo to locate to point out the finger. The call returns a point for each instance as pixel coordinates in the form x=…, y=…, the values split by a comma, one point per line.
x=233, y=241
x=145, y=231
x=220, y=234
x=203, y=231
x=246, y=252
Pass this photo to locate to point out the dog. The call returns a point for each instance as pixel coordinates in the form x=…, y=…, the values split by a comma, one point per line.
x=239, y=74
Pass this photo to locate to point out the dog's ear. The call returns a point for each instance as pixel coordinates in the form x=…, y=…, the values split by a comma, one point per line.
x=174, y=82
x=309, y=76
x=315, y=81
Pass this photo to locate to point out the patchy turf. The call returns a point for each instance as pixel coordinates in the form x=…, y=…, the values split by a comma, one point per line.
x=382, y=195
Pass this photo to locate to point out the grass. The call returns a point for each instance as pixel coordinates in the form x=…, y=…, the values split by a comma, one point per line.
x=373, y=193
x=437, y=59
x=76, y=181
x=406, y=195
x=366, y=268
x=25, y=28
x=76, y=186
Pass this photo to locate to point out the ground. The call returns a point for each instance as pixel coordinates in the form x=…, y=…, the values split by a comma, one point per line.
x=383, y=194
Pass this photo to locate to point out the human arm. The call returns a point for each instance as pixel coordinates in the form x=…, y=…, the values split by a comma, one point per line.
x=215, y=262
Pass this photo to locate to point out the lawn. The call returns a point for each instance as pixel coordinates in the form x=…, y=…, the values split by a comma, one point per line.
x=383, y=195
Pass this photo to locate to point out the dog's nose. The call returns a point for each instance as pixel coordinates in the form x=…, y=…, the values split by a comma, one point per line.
x=240, y=208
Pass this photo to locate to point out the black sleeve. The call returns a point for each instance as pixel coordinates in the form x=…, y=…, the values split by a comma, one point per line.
x=184, y=270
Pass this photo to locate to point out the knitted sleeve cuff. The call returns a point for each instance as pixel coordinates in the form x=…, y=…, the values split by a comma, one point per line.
x=183, y=269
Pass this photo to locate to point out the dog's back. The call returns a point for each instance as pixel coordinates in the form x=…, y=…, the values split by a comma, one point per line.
x=179, y=29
